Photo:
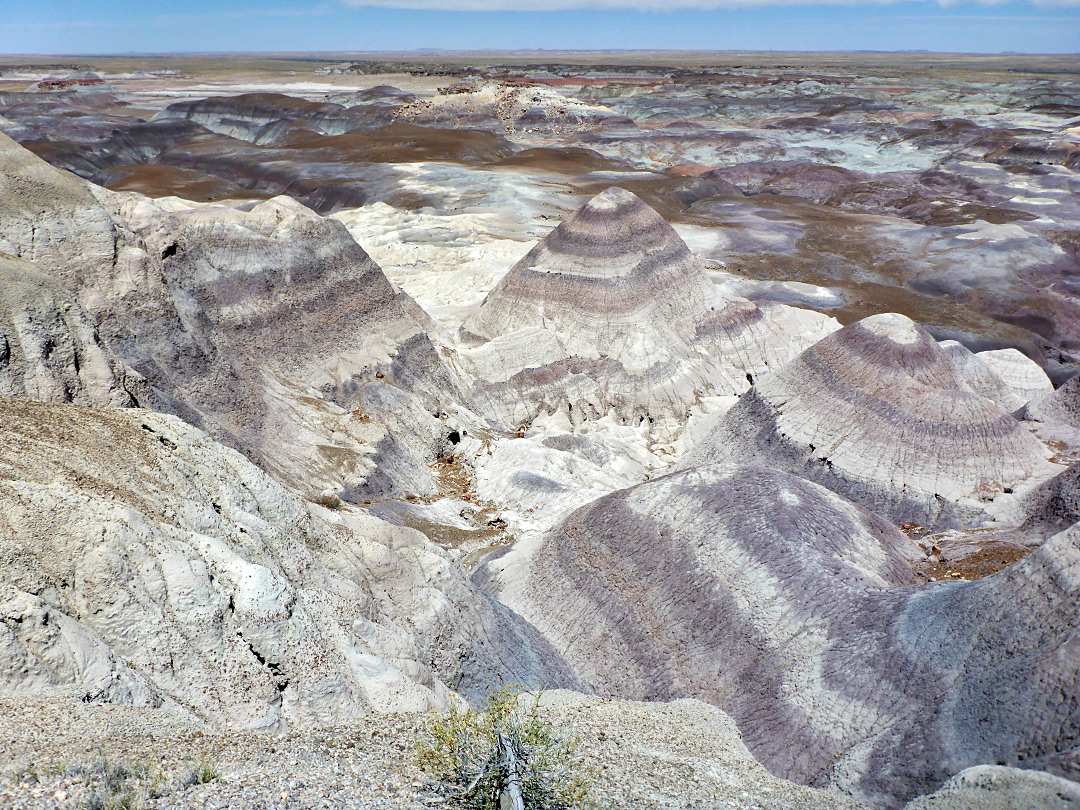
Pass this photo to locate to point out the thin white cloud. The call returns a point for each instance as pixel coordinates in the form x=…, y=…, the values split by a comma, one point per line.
x=179, y=18
x=223, y=14
x=646, y=5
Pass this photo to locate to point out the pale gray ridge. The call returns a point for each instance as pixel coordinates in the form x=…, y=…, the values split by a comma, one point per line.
x=790, y=609
x=878, y=413
x=266, y=328
x=148, y=565
x=611, y=312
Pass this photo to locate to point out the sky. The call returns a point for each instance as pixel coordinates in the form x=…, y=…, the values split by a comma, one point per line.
x=152, y=26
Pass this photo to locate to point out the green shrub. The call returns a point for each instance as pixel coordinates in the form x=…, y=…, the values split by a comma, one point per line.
x=329, y=501
x=122, y=800
x=489, y=757
x=118, y=786
x=206, y=772
x=201, y=774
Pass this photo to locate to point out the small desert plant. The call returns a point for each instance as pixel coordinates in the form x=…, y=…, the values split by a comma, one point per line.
x=28, y=774
x=504, y=756
x=206, y=772
x=104, y=800
x=201, y=774
x=329, y=501
x=117, y=786
x=33, y=773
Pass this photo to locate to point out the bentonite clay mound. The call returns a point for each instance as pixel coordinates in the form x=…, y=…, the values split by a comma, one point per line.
x=627, y=265
x=1057, y=414
x=878, y=413
x=284, y=305
x=611, y=310
x=146, y=565
x=1022, y=374
x=266, y=327
x=1055, y=504
x=981, y=377
x=789, y=608
x=51, y=218
x=49, y=348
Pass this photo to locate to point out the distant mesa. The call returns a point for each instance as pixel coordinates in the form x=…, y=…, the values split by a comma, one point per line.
x=267, y=118
x=79, y=81
x=341, y=69
x=501, y=107
x=793, y=611
x=611, y=310
x=878, y=413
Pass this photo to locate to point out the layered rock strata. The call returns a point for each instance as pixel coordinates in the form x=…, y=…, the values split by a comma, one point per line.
x=270, y=328
x=878, y=413
x=612, y=312
x=790, y=609
x=1022, y=374
x=148, y=565
x=267, y=117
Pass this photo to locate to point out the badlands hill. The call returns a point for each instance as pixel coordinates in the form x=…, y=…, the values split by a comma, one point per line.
x=792, y=610
x=232, y=317
x=249, y=486
x=149, y=566
x=611, y=311
x=878, y=413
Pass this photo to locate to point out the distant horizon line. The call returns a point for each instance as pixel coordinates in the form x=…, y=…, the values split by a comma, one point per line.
x=496, y=51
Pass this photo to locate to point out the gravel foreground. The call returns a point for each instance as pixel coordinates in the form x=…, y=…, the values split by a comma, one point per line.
x=64, y=753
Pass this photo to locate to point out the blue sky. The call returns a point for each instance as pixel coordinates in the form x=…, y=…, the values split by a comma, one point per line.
x=122, y=26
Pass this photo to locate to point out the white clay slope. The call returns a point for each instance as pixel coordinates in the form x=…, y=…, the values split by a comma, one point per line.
x=878, y=413
x=149, y=565
x=794, y=611
x=612, y=312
